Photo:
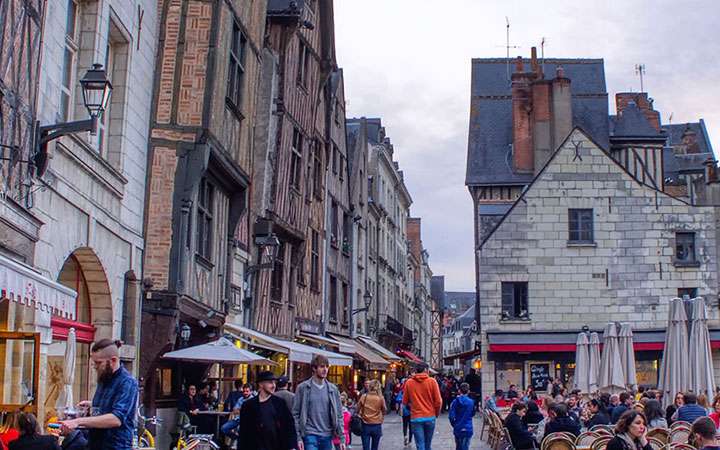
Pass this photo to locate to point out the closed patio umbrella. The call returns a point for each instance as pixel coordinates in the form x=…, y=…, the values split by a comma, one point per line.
x=65, y=399
x=582, y=363
x=627, y=355
x=674, y=370
x=702, y=377
x=611, y=379
x=594, y=366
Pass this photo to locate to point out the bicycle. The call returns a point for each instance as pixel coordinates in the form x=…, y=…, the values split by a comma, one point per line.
x=144, y=437
x=189, y=440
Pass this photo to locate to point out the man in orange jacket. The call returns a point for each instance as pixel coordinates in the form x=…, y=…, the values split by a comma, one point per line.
x=422, y=393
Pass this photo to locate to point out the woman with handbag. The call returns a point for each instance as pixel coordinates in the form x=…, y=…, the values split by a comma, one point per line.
x=372, y=409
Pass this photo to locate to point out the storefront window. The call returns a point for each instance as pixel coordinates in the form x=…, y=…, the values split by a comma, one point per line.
x=507, y=373
x=19, y=377
x=647, y=372
x=335, y=375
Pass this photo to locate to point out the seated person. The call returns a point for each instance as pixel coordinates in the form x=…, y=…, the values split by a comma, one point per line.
x=533, y=415
x=519, y=435
x=598, y=414
x=690, y=410
x=561, y=421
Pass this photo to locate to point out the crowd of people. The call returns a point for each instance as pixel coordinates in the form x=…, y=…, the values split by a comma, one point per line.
x=631, y=414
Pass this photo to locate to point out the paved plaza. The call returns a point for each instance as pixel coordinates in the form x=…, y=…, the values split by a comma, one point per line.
x=393, y=438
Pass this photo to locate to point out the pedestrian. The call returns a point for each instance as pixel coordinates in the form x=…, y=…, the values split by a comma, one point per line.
x=283, y=392
x=475, y=382
x=407, y=426
x=630, y=433
x=520, y=436
x=423, y=395
x=372, y=409
x=30, y=437
x=112, y=423
x=690, y=411
x=317, y=410
x=233, y=396
x=265, y=419
x=462, y=410
x=704, y=432
x=346, y=402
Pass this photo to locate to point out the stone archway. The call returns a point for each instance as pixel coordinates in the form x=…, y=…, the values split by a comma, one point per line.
x=98, y=288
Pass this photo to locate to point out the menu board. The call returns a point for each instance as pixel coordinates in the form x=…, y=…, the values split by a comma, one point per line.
x=540, y=376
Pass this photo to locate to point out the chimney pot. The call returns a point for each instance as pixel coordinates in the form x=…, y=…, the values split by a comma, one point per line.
x=534, y=61
x=559, y=72
x=519, y=67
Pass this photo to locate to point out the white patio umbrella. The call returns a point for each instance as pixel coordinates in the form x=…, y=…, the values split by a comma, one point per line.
x=582, y=363
x=702, y=376
x=220, y=351
x=627, y=355
x=65, y=399
x=594, y=366
x=611, y=379
x=674, y=370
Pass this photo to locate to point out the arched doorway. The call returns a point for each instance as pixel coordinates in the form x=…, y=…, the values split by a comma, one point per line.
x=82, y=272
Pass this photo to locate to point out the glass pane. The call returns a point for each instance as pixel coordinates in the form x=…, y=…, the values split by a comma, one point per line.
x=507, y=373
x=18, y=371
x=71, y=19
x=67, y=69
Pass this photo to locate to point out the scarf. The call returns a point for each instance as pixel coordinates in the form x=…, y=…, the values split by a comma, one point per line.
x=630, y=443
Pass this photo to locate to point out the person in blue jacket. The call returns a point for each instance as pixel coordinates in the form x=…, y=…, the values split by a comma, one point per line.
x=461, y=415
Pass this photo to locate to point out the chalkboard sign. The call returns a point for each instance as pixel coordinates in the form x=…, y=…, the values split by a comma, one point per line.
x=539, y=376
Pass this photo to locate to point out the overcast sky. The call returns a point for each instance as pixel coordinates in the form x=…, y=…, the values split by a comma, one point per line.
x=408, y=62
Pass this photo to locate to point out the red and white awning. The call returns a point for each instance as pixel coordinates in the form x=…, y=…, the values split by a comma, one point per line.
x=23, y=285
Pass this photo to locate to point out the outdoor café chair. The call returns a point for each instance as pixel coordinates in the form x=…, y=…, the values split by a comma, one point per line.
x=656, y=443
x=661, y=434
x=586, y=439
x=680, y=435
x=600, y=443
x=680, y=424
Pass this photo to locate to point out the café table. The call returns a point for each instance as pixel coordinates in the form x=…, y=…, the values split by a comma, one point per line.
x=217, y=415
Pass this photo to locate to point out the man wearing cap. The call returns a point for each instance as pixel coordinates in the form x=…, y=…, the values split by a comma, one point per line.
x=265, y=420
x=283, y=392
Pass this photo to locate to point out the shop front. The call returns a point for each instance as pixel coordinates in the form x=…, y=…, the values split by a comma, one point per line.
x=536, y=358
x=368, y=364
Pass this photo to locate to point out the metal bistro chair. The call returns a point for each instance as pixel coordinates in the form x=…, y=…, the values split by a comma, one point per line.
x=557, y=441
x=586, y=439
x=680, y=423
x=656, y=443
x=661, y=434
x=679, y=435
x=600, y=443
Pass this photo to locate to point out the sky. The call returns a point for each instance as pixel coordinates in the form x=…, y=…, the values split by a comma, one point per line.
x=408, y=62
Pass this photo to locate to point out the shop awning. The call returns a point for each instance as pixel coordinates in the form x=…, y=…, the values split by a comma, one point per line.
x=343, y=347
x=463, y=356
x=296, y=352
x=409, y=355
x=23, y=285
x=373, y=361
x=535, y=342
x=379, y=349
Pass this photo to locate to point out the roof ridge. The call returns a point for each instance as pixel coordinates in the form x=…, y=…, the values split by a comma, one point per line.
x=496, y=60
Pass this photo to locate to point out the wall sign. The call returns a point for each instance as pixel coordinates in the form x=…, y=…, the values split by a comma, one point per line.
x=540, y=376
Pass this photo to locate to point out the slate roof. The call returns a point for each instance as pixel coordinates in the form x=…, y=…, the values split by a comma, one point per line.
x=490, y=135
x=632, y=123
x=675, y=133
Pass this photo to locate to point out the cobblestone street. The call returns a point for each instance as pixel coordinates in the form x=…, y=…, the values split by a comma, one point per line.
x=393, y=438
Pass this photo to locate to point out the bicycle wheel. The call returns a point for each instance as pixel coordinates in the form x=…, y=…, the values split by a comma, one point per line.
x=201, y=443
x=147, y=439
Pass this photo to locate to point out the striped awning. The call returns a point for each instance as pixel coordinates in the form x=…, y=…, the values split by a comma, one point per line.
x=25, y=286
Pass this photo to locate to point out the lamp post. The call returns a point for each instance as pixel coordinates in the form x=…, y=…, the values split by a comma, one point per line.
x=96, y=90
x=269, y=245
x=184, y=334
x=367, y=298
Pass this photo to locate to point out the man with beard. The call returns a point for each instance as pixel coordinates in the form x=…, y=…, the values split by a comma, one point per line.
x=112, y=423
x=265, y=419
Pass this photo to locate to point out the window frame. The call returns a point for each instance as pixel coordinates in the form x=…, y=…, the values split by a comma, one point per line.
x=691, y=260
x=578, y=234
x=71, y=47
x=236, y=67
x=278, y=273
x=205, y=219
x=303, y=67
x=295, y=175
x=317, y=172
x=333, y=298
x=315, y=261
x=520, y=297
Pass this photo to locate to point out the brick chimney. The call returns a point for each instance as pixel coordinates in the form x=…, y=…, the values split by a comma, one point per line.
x=561, y=106
x=541, y=116
x=711, y=171
x=643, y=102
x=522, y=154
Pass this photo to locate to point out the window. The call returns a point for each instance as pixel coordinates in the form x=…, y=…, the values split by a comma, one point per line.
x=335, y=158
x=685, y=248
x=303, y=64
x=69, y=59
x=317, y=172
x=580, y=225
x=342, y=166
x=690, y=292
x=337, y=112
x=296, y=160
x=347, y=229
x=334, y=232
x=276, y=283
x=236, y=66
x=333, y=298
x=298, y=262
x=515, y=300
x=345, y=304
x=104, y=122
x=315, y=261
x=110, y=127
x=204, y=220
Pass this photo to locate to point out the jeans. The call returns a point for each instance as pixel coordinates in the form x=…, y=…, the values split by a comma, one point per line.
x=462, y=442
x=407, y=427
x=229, y=428
x=315, y=442
x=371, y=434
x=423, y=432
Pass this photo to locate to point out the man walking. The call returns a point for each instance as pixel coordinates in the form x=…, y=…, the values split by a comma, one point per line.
x=283, y=392
x=265, y=420
x=462, y=411
x=317, y=410
x=115, y=399
x=423, y=395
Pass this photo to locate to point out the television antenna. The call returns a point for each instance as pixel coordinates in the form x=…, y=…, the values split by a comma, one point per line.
x=542, y=53
x=508, y=46
x=640, y=70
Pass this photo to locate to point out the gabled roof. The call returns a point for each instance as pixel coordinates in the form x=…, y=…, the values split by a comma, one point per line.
x=632, y=124
x=521, y=197
x=675, y=134
x=490, y=134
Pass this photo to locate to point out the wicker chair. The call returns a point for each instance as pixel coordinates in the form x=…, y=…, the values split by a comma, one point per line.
x=656, y=444
x=679, y=435
x=586, y=439
x=600, y=443
x=557, y=441
x=680, y=423
x=681, y=446
x=603, y=429
x=661, y=434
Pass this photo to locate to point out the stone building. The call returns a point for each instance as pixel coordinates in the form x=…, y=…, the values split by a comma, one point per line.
x=201, y=161
x=78, y=223
x=419, y=289
x=575, y=223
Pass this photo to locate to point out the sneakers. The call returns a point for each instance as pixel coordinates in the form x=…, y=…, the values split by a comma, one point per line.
x=406, y=441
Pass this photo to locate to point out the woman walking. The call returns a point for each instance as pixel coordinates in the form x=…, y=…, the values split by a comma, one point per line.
x=372, y=409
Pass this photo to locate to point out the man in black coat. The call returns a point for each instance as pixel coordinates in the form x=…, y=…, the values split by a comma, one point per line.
x=560, y=421
x=265, y=420
x=520, y=436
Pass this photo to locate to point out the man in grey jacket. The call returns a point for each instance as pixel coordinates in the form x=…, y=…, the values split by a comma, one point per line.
x=317, y=410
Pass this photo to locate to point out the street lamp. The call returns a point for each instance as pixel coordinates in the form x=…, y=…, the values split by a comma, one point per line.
x=367, y=298
x=96, y=90
x=184, y=334
x=270, y=246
